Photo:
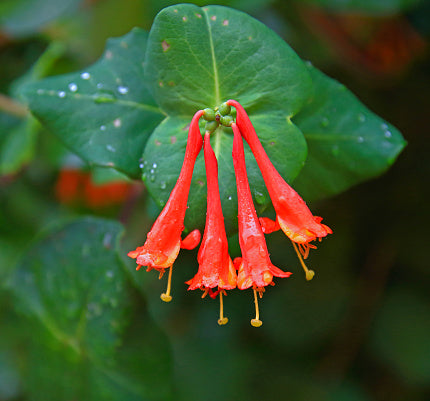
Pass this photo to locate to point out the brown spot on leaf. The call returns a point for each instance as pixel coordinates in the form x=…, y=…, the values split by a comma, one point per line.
x=157, y=142
x=201, y=183
x=225, y=22
x=165, y=46
x=173, y=139
x=186, y=127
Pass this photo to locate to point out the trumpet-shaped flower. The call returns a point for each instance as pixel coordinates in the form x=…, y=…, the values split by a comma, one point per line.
x=163, y=242
x=292, y=214
x=216, y=268
x=254, y=267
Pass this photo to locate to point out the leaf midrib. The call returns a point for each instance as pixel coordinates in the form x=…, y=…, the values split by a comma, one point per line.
x=128, y=103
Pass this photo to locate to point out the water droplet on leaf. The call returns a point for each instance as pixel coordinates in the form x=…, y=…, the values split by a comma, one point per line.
x=123, y=90
x=73, y=87
x=260, y=198
x=85, y=75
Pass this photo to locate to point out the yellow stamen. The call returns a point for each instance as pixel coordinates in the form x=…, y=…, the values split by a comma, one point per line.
x=309, y=273
x=222, y=320
x=166, y=297
x=256, y=322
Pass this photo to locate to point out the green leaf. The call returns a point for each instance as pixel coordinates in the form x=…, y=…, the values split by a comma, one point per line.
x=201, y=57
x=17, y=145
x=23, y=17
x=104, y=113
x=347, y=143
x=380, y=7
x=73, y=289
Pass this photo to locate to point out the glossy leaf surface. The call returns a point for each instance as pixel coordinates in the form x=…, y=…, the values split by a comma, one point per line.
x=104, y=113
x=347, y=143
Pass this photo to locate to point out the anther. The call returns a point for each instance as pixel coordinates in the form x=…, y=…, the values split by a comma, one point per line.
x=256, y=322
x=309, y=273
x=165, y=296
x=222, y=320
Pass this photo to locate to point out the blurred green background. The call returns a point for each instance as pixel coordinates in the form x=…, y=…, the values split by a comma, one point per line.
x=361, y=329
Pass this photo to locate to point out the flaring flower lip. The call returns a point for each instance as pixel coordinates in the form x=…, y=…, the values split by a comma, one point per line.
x=292, y=214
x=216, y=268
x=163, y=242
x=254, y=268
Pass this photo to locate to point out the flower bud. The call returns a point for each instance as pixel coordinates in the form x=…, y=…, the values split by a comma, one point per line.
x=209, y=114
x=224, y=109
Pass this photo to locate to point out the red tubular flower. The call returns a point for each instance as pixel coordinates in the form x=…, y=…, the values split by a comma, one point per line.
x=216, y=268
x=254, y=268
x=164, y=240
x=292, y=214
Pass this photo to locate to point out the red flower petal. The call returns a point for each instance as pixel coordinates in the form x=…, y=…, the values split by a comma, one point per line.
x=255, y=268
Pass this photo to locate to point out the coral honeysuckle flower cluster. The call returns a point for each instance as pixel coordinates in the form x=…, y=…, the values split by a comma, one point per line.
x=217, y=272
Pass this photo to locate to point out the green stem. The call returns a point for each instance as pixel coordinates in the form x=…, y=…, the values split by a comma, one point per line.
x=10, y=106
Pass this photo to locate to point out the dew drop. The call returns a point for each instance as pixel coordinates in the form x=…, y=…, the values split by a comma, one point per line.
x=325, y=122
x=154, y=165
x=102, y=127
x=388, y=134
x=61, y=94
x=229, y=198
x=384, y=126
x=259, y=198
x=109, y=274
x=123, y=90
x=152, y=171
x=117, y=123
x=85, y=75
x=110, y=148
x=40, y=91
x=152, y=178
x=225, y=22
x=360, y=139
x=163, y=185
x=184, y=19
x=73, y=87
x=141, y=165
x=361, y=118
x=99, y=85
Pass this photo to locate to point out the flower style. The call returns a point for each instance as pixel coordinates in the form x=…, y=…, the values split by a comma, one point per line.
x=216, y=268
x=163, y=242
x=254, y=268
x=292, y=214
